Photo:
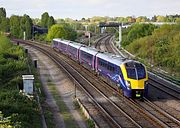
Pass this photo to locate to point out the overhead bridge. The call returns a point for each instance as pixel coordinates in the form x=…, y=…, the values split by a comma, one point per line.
x=114, y=24
x=110, y=24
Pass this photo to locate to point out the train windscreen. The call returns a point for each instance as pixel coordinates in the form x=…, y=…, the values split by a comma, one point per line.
x=135, y=70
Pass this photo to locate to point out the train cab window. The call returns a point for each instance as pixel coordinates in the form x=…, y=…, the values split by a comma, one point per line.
x=135, y=71
x=131, y=73
x=140, y=71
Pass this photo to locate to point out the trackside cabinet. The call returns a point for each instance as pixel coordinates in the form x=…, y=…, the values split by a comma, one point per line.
x=28, y=84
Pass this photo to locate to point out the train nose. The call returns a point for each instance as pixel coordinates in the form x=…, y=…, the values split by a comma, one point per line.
x=137, y=84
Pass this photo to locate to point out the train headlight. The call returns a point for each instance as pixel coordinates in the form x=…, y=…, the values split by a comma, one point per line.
x=146, y=82
x=128, y=84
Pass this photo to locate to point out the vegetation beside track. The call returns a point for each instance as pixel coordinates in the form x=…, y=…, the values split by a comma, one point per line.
x=21, y=110
x=67, y=116
x=159, y=49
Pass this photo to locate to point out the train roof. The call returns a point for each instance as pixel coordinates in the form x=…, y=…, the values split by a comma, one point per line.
x=115, y=59
x=75, y=45
x=61, y=41
x=89, y=50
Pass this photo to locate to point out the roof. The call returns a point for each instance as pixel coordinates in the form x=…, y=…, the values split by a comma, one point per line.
x=75, y=45
x=61, y=41
x=89, y=50
x=28, y=77
x=57, y=39
x=115, y=59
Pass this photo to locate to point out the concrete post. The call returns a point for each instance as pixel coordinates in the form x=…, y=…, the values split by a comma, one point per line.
x=35, y=63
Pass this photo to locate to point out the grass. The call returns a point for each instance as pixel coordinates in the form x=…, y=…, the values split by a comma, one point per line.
x=48, y=117
x=89, y=122
x=64, y=112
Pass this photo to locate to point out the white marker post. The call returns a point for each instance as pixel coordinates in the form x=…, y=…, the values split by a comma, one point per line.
x=24, y=33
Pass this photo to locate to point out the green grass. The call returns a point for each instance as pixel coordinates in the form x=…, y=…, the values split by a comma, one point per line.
x=89, y=122
x=48, y=117
x=64, y=112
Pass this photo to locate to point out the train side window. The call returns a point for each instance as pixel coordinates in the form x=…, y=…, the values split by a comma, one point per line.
x=113, y=69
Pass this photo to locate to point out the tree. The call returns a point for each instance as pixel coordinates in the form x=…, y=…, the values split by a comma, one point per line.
x=15, y=26
x=2, y=19
x=170, y=18
x=154, y=18
x=61, y=31
x=162, y=48
x=22, y=26
x=161, y=19
x=131, y=19
x=83, y=19
x=44, y=20
x=70, y=33
x=28, y=26
x=177, y=20
x=5, y=122
x=142, y=19
x=5, y=24
x=51, y=21
x=56, y=31
x=37, y=21
x=122, y=19
x=25, y=26
x=137, y=31
x=2, y=13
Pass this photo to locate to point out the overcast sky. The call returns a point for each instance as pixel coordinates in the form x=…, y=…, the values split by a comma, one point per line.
x=77, y=9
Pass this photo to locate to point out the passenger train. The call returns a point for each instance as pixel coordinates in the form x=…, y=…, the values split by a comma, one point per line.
x=129, y=75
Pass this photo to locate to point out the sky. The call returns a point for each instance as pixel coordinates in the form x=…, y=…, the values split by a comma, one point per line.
x=77, y=9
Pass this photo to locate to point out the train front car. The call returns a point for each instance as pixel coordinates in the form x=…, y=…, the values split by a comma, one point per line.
x=136, y=79
x=55, y=43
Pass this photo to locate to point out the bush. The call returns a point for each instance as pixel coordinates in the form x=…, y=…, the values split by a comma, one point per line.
x=162, y=48
x=22, y=110
x=136, y=31
x=90, y=123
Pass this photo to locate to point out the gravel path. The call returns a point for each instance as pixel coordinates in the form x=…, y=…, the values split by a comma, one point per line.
x=50, y=72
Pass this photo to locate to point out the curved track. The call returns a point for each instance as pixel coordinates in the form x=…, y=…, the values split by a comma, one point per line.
x=163, y=116
x=116, y=109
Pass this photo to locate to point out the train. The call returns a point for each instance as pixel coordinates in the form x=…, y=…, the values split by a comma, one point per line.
x=129, y=75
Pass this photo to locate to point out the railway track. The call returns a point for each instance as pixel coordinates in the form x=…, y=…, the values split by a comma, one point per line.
x=101, y=43
x=117, y=111
x=97, y=43
x=115, y=116
x=164, y=116
x=172, y=91
x=105, y=44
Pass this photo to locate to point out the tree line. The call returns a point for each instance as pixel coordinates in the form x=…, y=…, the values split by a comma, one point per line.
x=20, y=26
x=17, y=25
